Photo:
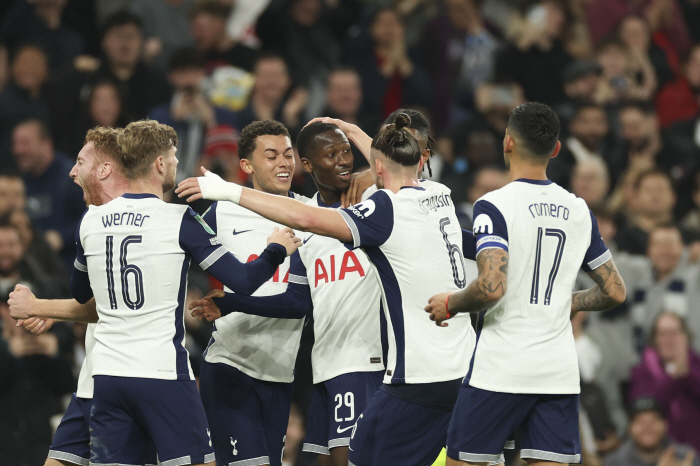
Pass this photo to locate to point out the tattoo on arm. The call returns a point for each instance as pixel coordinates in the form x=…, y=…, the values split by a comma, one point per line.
x=607, y=293
x=488, y=287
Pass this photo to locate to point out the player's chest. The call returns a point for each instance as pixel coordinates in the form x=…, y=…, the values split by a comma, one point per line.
x=329, y=263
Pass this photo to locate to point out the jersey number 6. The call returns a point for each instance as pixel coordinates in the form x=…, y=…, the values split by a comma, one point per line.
x=125, y=270
x=455, y=256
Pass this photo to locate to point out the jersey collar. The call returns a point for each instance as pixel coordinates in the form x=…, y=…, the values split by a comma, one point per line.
x=539, y=182
x=419, y=188
x=138, y=196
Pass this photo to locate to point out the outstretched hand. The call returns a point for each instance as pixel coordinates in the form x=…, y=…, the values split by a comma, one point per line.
x=438, y=309
x=206, y=308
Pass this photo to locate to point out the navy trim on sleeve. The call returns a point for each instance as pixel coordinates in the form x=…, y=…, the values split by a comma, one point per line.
x=80, y=280
x=468, y=245
x=490, y=227
x=597, y=253
x=371, y=221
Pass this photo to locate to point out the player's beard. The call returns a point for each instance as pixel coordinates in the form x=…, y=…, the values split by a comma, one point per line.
x=169, y=181
x=93, y=189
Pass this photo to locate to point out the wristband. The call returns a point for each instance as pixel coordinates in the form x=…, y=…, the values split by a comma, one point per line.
x=216, y=189
x=447, y=301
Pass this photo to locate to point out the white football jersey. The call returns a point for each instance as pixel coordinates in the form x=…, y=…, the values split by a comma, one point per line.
x=136, y=251
x=262, y=347
x=346, y=295
x=85, y=383
x=399, y=232
x=525, y=343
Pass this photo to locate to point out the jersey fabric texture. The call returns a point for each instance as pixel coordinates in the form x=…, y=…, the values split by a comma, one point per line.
x=264, y=348
x=395, y=229
x=346, y=294
x=85, y=385
x=525, y=343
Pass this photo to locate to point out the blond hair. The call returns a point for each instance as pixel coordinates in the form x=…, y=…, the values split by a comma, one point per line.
x=105, y=142
x=141, y=143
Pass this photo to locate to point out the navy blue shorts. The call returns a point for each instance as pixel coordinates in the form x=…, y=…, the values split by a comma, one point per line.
x=392, y=431
x=482, y=421
x=130, y=413
x=71, y=443
x=248, y=417
x=335, y=406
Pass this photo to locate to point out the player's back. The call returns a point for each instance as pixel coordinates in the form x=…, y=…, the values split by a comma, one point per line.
x=262, y=347
x=138, y=273
x=525, y=342
x=420, y=258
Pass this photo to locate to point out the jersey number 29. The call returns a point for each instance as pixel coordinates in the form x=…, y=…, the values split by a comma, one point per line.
x=125, y=269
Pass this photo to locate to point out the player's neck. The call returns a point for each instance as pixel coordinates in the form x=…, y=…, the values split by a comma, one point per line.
x=146, y=186
x=527, y=171
x=258, y=187
x=328, y=197
x=395, y=180
x=114, y=190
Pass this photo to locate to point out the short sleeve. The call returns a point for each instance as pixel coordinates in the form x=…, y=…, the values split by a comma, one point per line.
x=371, y=221
x=199, y=240
x=490, y=229
x=597, y=253
x=80, y=261
x=209, y=217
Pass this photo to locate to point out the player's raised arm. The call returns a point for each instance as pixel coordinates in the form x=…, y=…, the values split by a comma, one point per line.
x=284, y=210
x=24, y=305
x=608, y=292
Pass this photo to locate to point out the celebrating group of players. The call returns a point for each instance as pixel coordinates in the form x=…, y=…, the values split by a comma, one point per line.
x=376, y=265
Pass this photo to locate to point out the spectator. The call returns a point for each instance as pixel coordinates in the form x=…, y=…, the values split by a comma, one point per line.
x=221, y=154
x=671, y=281
x=166, y=27
x=24, y=97
x=670, y=373
x=589, y=138
x=189, y=111
x=208, y=28
x=484, y=180
x=590, y=181
x=653, y=201
x=690, y=224
x=604, y=16
x=459, y=55
x=537, y=58
x=54, y=202
x=142, y=86
x=39, y=22
x=627, y=73
x=344, y=101
x=680, y=99
x=12, y=192
x=635, y=34
x=646, y=146
x=648, y=443
x=271, y=98
x=301, y=31
x=35, y=371
x=581, y=80
x=392, y=77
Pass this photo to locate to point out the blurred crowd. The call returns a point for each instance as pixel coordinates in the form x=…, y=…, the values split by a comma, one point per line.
x=623, y=75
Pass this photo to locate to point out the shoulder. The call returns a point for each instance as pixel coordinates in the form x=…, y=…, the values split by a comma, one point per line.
x=430, y=184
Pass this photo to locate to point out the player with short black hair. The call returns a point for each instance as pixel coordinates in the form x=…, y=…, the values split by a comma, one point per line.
x=405, y=422
x=532, y=238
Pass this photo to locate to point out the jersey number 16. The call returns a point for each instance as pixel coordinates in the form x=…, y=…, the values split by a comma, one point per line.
x=125, y=269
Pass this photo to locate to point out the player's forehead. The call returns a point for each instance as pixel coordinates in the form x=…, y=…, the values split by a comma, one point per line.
x=329, y=139
x=269, y=144
x=87, y=153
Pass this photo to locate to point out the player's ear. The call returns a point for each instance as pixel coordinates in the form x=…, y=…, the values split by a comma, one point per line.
x=246, y=166
x=422, y=162
x=160, y=164
x=378, y=166
x=557, y=148
x=105, y=171
x=508, y=144
x=306, y=165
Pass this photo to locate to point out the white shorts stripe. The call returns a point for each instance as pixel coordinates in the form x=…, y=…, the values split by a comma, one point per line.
x=549, y=456
x=252, y=462
x=478, y=458
x=312, y=448
x=71, y=458
x=181, y=461
x=339, y=442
